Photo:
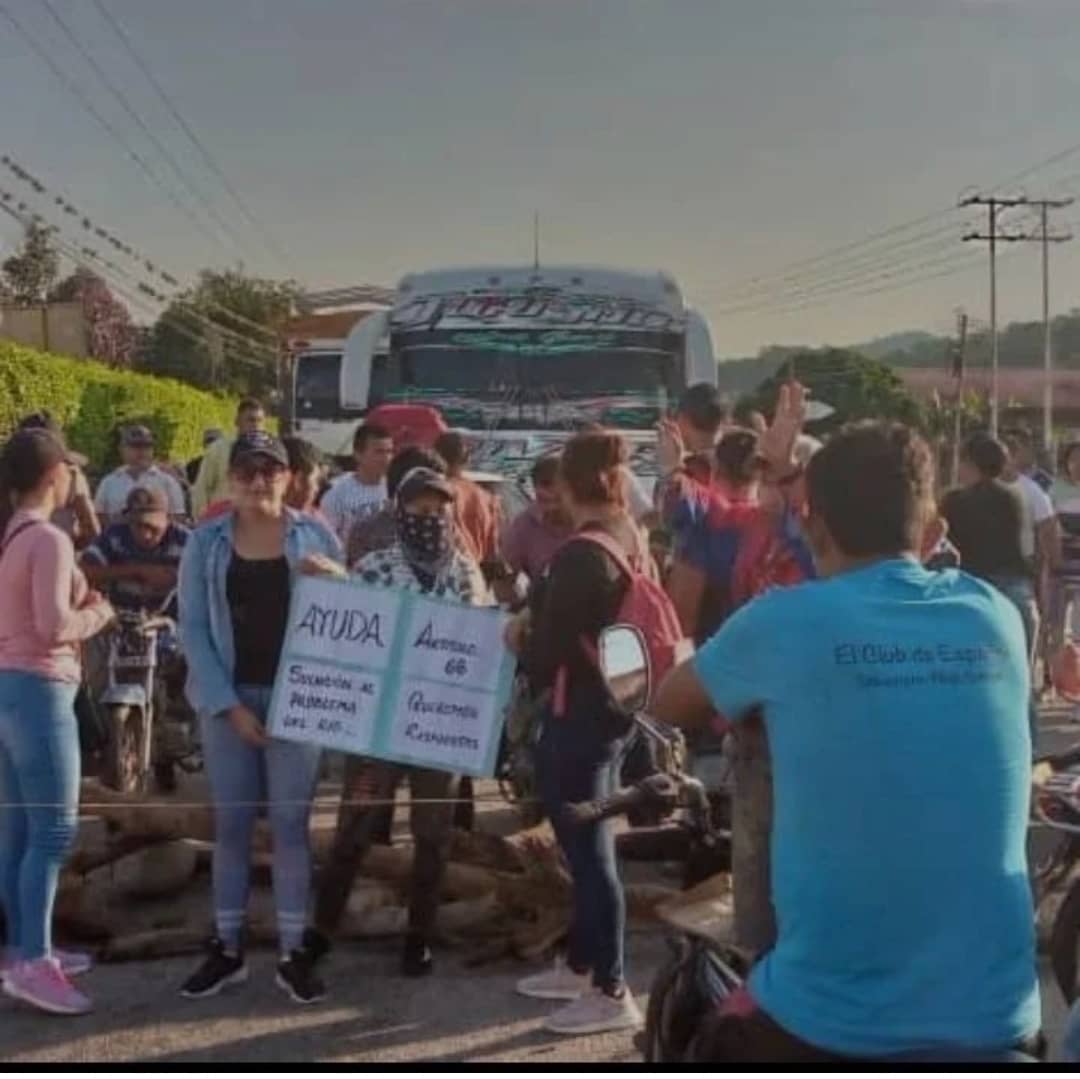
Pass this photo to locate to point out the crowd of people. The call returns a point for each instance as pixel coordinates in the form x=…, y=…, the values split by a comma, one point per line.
x=893, y=693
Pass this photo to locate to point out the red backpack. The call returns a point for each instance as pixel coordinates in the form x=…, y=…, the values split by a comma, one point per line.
x=645, y=605
x=1065, y=670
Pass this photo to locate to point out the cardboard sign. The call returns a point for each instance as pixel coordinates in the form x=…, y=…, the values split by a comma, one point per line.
x=395, y=675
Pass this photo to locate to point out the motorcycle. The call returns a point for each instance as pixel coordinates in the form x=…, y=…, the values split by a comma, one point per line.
x=1056, y=805
x=148, y=728
x=705, y=967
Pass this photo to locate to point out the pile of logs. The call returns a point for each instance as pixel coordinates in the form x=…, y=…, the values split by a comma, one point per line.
x=138, y=885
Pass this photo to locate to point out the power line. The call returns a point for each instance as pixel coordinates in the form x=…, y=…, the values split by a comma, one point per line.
x=107, y=271
x=111, y=238
x=791, y=274
x=126, y=105
x=209, y=160
x=856, y=273
x=787, y=272
x=110, y=129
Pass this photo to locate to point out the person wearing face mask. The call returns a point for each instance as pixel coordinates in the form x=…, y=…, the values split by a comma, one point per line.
x=423, y=558
x=236, y=579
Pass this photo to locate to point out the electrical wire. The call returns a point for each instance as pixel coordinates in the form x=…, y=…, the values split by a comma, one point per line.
x=211, y=163
x=129, y=109
x=106, y=125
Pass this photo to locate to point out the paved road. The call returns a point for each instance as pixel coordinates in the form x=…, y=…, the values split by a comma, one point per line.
x=373, y=1015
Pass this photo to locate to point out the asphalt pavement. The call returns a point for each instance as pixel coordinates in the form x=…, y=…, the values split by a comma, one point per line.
x=373, y=1015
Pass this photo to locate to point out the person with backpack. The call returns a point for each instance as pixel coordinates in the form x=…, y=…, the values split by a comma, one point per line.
x=602, y=576
x=48, y=611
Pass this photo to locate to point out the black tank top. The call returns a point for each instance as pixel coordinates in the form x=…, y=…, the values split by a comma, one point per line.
x=258, y=593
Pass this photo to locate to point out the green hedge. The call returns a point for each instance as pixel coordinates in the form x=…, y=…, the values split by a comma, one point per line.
x=92, y=400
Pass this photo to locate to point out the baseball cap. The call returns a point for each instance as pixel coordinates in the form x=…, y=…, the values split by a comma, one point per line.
x=421, y=481
x=145, y=502
x=138, y=436
x=259, y=444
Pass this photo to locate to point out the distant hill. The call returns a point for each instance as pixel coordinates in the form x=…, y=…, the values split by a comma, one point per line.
x=880, y=347
x=1019, y=344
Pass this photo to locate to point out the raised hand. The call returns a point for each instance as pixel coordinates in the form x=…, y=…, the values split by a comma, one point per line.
x=777, y=444
x=670, y=447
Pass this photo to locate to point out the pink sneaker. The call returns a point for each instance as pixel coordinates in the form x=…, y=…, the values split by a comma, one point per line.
x=71, y=963
x=43, y=984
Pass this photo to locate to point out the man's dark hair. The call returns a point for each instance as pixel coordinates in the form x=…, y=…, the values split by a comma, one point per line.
x=872, y=485
x=705, y=407
x=303, y=456
x=736, y=457
x=249, y=404
x=545, y=471
x=369, y=432
x=1017, y=436
x=453, y=449
x=409, y=458
x=43, y=421
x=986, y=454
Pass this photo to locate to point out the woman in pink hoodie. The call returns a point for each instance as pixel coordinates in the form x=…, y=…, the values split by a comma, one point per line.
x=47, y=611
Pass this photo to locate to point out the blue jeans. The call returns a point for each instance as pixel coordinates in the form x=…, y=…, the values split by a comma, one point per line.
x=39, y=792
x=1070, y=1043
x=577, y=761
x=284, y=774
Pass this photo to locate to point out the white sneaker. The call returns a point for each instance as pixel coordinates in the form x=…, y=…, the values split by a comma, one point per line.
x=559, y=983
x=595, y=1013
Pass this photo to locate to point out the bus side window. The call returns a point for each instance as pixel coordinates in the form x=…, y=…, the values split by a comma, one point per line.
x=318, y=386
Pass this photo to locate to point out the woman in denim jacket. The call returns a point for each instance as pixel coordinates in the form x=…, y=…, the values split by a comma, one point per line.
x=236, y=578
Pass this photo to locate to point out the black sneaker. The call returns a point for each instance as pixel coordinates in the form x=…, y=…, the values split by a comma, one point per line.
x=219, y=969
x=296, y=975
x=417, y=960
x=316, y=944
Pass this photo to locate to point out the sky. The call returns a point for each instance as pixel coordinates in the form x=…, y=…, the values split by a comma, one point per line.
x=729, y=142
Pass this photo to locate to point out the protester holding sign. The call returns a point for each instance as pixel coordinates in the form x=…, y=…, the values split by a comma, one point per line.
x=580, y=749
x=424, y=559
x=236, y=578
x=376, y=533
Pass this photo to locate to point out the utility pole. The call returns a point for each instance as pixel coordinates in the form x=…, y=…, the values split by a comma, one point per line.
x=993, y=236
x=1045, y=238
x=958, y=407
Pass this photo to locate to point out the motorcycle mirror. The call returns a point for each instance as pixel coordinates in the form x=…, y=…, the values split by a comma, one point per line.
x=624, y=664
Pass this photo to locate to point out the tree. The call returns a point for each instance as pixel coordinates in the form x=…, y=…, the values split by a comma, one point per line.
x=855, y=386
x=31, y=271
x=110, y=328
x=221, y=334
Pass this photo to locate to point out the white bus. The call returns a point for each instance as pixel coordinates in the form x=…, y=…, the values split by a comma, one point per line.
x=518, y=356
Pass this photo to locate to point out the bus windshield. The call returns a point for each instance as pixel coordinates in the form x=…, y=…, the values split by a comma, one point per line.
x=529, y=378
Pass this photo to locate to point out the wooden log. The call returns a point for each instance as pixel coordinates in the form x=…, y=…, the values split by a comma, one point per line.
x=159, y=819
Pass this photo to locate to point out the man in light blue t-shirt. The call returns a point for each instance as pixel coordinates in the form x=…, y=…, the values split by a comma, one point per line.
x=895, y=700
